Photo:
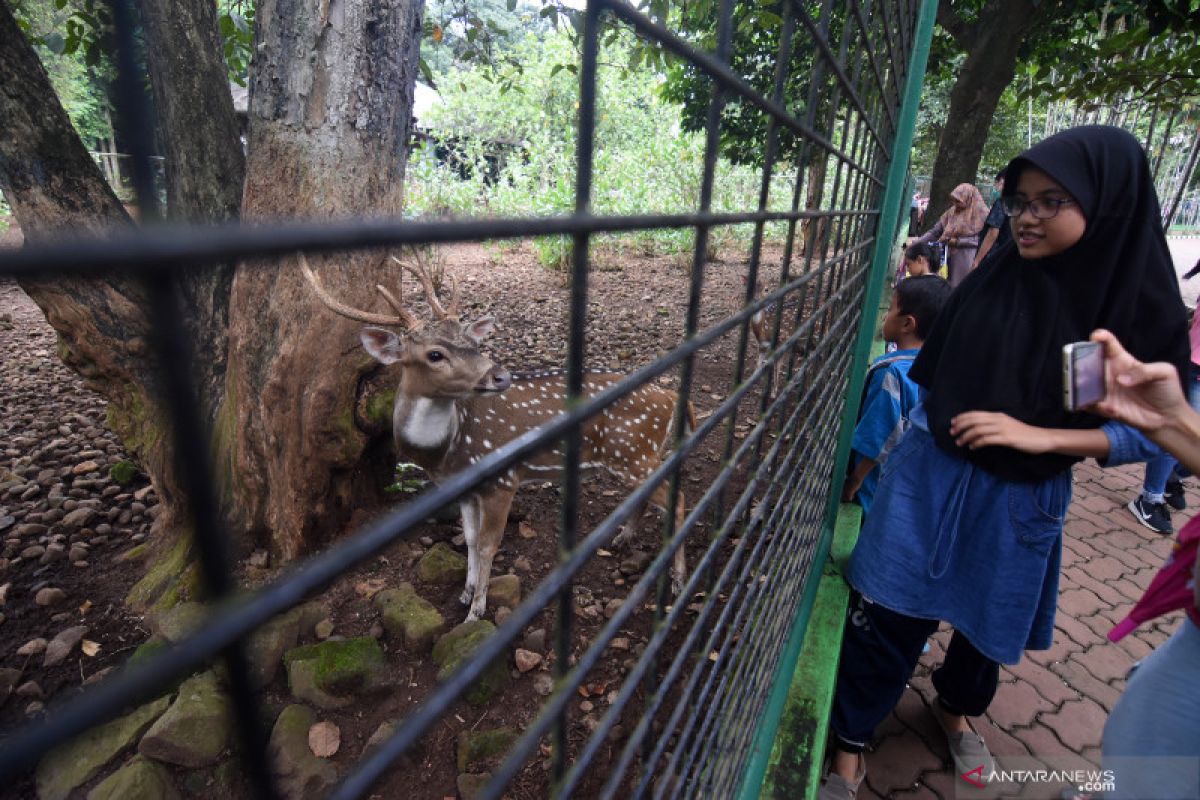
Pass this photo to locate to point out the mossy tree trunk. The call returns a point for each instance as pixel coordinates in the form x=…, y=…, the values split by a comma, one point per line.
x=330, y=102
x=291, y=398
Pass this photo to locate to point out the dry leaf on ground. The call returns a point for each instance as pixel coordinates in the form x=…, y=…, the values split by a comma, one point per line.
x=324, y=738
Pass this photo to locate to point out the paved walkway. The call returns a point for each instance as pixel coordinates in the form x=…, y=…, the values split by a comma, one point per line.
x=1054, y=703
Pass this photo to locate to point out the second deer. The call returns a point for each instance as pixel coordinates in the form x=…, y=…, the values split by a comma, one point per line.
x=454, y=405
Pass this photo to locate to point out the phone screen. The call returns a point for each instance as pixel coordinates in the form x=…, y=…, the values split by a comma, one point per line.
x=1087, y=374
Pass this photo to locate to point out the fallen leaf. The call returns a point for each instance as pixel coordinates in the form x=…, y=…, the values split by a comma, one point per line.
x=583, y=691
x=4, y=593
x=526, y=530
x=603, y=552
x=85, y=608
x=324, y=738
x=713, y=656
x=89, y=648
x=370, y=588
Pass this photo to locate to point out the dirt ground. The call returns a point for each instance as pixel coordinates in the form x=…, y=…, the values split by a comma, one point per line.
x=50, y=426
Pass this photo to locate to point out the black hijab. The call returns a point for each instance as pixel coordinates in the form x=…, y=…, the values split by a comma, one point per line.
x=997, y=345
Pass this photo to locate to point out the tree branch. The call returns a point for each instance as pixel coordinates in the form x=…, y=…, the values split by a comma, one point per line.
x=962, y=32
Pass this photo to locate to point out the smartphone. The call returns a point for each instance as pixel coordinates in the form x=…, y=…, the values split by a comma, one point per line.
x=1083, y=374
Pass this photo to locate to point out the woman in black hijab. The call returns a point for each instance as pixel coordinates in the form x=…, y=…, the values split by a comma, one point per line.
x=967, y=522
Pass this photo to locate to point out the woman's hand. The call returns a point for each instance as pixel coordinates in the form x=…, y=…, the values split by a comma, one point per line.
x=976, y=429
x=1146, y=396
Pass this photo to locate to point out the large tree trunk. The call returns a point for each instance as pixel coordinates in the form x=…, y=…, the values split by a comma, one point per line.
x=103, y=325
x=330, y=104
x=991, y=45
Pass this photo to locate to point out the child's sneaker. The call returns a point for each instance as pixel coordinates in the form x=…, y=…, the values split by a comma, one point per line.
x=1174, y=495
x=835, y=787
x=1154, y=516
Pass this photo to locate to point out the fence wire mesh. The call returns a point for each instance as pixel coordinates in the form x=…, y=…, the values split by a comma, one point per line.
x=680, y=719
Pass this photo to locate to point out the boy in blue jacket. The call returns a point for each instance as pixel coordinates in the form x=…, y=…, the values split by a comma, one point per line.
x=890, y=395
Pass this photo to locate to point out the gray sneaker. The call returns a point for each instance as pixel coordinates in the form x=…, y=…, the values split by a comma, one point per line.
x=972, y=760
x=835, y=787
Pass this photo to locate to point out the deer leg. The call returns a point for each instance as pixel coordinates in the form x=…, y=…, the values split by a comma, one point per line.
x=468, y=509
x=493, y=517
x=679, y=560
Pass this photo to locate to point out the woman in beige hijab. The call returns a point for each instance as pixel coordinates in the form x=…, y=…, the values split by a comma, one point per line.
x=959, y=230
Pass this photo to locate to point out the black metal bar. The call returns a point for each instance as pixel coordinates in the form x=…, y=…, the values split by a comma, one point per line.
x=178, y=247
x=719, y=73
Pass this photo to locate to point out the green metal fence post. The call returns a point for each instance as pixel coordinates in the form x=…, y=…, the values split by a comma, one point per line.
x=893, y=194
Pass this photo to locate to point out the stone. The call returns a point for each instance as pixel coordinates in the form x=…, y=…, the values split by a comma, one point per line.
x=526, y=659
x=409, y=617
x=543, y=684
x=84, y=467
x=266, y=646
x=61, y=646
x=337, y=669
x=49, y=596
x=636, y=562
x=78, y=553
x=79, y=760
x=33, y=551
x=619, y=643
x=196, y=729
x=502, y=614
x=28, y=529
x=79, y=518
x=323, y=629
x=32, y=648
x=30, y=689
x=180, y=621
x=301, y=775
x=441, y=565
x=8, y=680
x=471, y=785
x=535, y=640
x=476, y=749
x=54, y=552
x=521, y=564
x=456, y=646
x=381, y=735
x=140, y=779
x=612, y=607
x=504, y=590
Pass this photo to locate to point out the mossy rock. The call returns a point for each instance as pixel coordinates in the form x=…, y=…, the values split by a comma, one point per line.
x=504, y=590
x=146, y=651
x=408, y=616
x=477, y=748
x=196, y=728
x=441, y=565
x=180, y=621
x=225, y=780
x=123, y=472
x=455, y=647
x=140, y=779
x=79, y=760
x=300, y=773
x=343, y=667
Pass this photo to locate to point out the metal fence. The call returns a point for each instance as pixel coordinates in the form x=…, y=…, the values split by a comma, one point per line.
x=692, y=705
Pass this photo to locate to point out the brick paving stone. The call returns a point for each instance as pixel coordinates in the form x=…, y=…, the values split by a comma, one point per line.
x=902, y=759
x=1080, y=547
x=942, y=783
x=1049, y=684
x=1077, y=677
x=1114, y=594
x=1130, y=558
x=1106, y=568
x=999, y=739
x=1076, y=631
x=1061, y=648
x=1099, y=624
x=918, y=792
x=1094, y=502
x=1078, y=724
x=1081, y=530
x=1106, y=662
x=1041, y=741
x=1017, y=704
x=917, y=715
x=1134, y=647
x=1079, y=603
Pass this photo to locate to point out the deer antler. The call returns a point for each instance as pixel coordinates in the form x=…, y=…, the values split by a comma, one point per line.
x=448, y=311
x=404, y=318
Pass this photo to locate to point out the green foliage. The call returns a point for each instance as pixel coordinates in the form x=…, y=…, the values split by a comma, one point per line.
x=643, y=161
x=235, y=19
x=409, y=479
x=70, y=38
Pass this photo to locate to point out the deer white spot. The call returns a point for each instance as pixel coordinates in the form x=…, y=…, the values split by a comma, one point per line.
x=487, y=444
x=512, y=427
x=467, y=439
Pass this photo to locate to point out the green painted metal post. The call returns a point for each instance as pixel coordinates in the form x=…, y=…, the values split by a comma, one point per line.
x=893, y=194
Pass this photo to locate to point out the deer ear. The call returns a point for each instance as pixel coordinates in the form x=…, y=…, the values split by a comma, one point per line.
x=384, y=345
x=480, y=329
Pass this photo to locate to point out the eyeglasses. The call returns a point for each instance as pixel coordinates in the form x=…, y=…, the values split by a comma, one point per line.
x=1046, y=208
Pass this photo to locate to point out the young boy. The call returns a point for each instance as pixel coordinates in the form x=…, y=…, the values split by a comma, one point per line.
x=890, y=395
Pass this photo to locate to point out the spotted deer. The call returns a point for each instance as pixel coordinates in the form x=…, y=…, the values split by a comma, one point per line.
x=454, y=405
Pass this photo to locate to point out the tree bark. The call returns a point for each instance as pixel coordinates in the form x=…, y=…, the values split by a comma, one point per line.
x=330, y=102
x=54, y=186
x=992, y=45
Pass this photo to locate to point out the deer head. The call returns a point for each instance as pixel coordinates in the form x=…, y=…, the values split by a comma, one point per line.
x=440, y=359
